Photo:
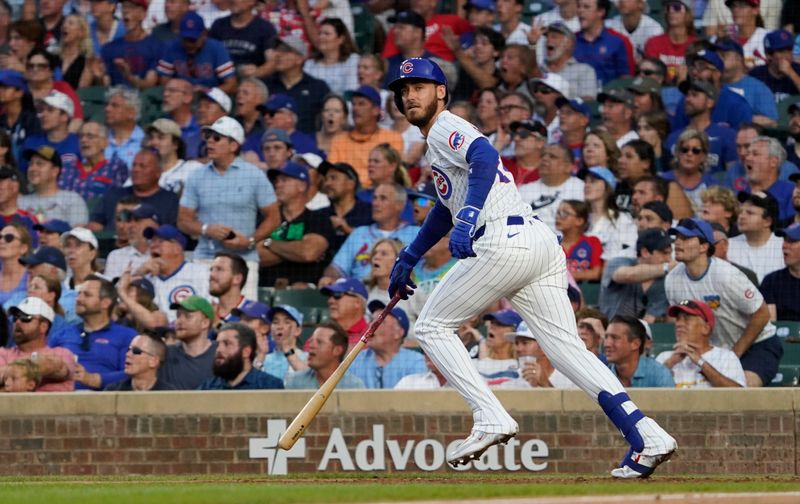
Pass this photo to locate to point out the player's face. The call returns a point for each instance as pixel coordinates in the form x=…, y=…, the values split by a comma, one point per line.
x=594, y=151
x=791, y=252
x=648, y=219
x=420, y=101
x=751, y=218
x=616, y=344
x=284, y=329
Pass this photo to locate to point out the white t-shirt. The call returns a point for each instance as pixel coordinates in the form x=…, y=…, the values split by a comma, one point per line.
x=190, y=279
x=618, y=237
x=419, y=381
x=545, y=199
x=754, y=52
x=687, y=374
x=762, y=260
x=174, y=178
x=518, y=36
x=728, y=292
x=648, y=27
x=340, y=77
x=119, y=259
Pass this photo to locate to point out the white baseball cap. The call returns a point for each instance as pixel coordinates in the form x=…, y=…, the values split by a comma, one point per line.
x=60, y=101
x=82, y=234
x=33, y=306
x=229, y=127
x=522, y=330
x=309, y=158
x=554, y=81
x=219, y=97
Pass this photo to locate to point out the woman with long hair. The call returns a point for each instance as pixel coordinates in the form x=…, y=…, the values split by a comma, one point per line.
x=600, y=149
x=615, y=229
x=80, y=250
x=584, y=253
x=335, y=57
x=489, y=112
x=164, y=136
x=382, y=258
x=749, y=30
x=689, y=166
x=653, y=127
x=24, y=37
x=76, y=50
x=670, y=47
x=636, y=160
x=48, y=289
x=15, y=242
x=333, y=120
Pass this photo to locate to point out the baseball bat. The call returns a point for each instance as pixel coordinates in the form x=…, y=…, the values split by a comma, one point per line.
x=317, y=401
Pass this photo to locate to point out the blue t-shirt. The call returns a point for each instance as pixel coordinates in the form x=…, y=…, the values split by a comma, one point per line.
x=736, y=176
x=757, y=94
x=730, y=110
x=96, y=45
x=69, y=149
x=607, y=54
x=101, y=351
x=352, y=260
x=649, y=373
x=246, y=45
x=209, y=67
x=722, y=146
x=404, y=363
x=192, y=137
x=141, y=56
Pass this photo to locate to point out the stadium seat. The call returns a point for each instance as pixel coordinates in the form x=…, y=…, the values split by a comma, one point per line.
x=533, y=8
x=93, y=100
x=788, y=376
x=788, y=329
x=791, y=353
x=591, y=292
x=152, y=100
x=301, y=341
x=265, y=295
x=663, y=333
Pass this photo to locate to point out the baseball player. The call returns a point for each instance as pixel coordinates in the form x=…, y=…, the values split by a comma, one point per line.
x=503, y=251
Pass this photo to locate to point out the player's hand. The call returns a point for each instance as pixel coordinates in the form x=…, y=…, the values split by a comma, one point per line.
x=464, y=230
x=400, y=277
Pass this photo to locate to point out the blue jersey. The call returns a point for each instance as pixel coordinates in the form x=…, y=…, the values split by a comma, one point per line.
x=141, y=56
x=730, y=110
x=69, y=149
x=607, y=54
x=352, y=260
x=209, y=67
x=757, y=94
x=722, y=146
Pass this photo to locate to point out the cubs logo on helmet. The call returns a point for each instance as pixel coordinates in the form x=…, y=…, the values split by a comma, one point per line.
x=407, y=67
x=416, y=68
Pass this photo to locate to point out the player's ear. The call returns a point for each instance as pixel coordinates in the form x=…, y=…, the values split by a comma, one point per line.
x=441, y=92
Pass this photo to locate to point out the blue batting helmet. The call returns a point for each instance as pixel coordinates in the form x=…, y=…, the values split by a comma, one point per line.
x=420, y=69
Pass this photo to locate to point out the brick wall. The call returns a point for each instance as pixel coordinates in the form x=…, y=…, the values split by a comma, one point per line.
x=212, y=433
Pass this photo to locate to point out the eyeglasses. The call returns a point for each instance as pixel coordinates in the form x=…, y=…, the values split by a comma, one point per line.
x=135, y=350
x=694, y=150
x=8, y=237
x=37, y=66
x=124, y=216
x=676, y=7
x=23, y=317
x=209, y=135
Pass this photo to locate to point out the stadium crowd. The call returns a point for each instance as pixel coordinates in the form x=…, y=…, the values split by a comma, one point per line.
x=169, y=171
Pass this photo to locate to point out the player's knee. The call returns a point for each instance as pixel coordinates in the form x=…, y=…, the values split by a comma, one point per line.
x=426, y=329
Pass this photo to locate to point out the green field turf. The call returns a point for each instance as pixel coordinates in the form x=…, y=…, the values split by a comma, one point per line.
x=312, y=488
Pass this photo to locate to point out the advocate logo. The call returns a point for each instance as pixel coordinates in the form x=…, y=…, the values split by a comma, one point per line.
x=379, y=454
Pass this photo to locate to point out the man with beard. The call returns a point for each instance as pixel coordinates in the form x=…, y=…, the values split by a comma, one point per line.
x=190, y=362
x=327, y=348
x=233, y=362
x=145, y=356
x=617, y=112
x=32, y=321
x=559, y=59
x=346, y=211
x=228, y=274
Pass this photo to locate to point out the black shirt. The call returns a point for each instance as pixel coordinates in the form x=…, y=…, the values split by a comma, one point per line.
x=185, y=372
x=359, y=215
x=783, y=290
x=783, y=87
x=164, y=202
x=127, y=386
x=27, y=125
x=308, y=94
x=246, y=45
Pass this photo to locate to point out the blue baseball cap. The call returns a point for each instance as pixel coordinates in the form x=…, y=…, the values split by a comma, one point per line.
x=276, y=135
x=192, y=26
x=253, y=310
x=792, y=232
x=13, y=79
x=427, y=192
x=709, y=57
x=397, y=313
x=370, y=93
x=291, y=311
x=693, y=228
x=778, y=40
x=290, y=169
x=45, y=255
x=604, y=174
x=347, y=285
x=278, y=102
x=487, y=5
x=145, y=211
x=575, y=104
x=729, y=45
x=146, y=285
x=53, y=226
x=504, y=317
x=166, y=232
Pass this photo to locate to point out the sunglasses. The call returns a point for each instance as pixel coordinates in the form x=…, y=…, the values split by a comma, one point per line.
x=37, y=66
x=135, y=350
x=208, y=135
x=23, y=317
x=676, y=7
x=423, y=202
x=694, y=150
x=124, y=216
x=543, y=90
x=8, y=237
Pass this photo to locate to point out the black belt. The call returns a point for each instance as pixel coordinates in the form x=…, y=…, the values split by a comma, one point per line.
x=511, y=220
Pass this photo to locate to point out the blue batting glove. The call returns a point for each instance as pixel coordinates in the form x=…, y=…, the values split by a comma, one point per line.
x=464, y=230
x=400, y=278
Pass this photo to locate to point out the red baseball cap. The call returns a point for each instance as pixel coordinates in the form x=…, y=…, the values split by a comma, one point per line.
x=694, y=307
x=753, y=3
x=141, y=3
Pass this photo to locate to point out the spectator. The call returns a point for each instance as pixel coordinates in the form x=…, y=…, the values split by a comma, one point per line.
x=212, y=104
x=408, y=35
x=635, y=24
x=735, y=77
x=780, y=74
x=55, y=112
x=749, y=28
x=516, y=63
x=592, y=329
x=137, y=252
x=646, y=97
x=137, y=307
x=246, y=37
x=280, y=112
x=9, y=194
x=546, y=92
x=385, y=166
x=721, y=251
x=233, y=362
x=352, y=259
x=529, y=138
x=617, y=113
x=624, y=348
x=730, y=109
x=559, y=59
x=616, y=60
x=50, y=232
x=565, y=11
x=695, y=362
x=145, y=174
x=655, y=214
x=510, y=25
x=27, y=35
x=763, y=162
x=381, y=259
x=671, y=46
x=40, y=74
x=692, y=152
x=49, y=262
x=124, y=220
x=222, y=200
x=555, y=185
x=354, y=147
x=22, y=376
x=497, y=362
x=32, y=320
x=252, y=93
x=327, y=347
x=93, y=174
x=197, y=58
x=781, y=288
x=718, y=16
x=573, y=119
x=371, y=71
x=742, y=315
x=15, y=243
x=477, y=54
x=514, y=106
x=124, y=135
x=535, y=368
x=104, y=26
x=736, y=177
x=173, y=277
x=347, y=303
x=131, y=59
x=47, y=201
x=178, y=106
x=18, y=118
x=169, y=16
x=99, y=344
x=190, y=362
x=720, y=206
x=757, y=248
x=335, y=59
x=652, y=188
x=636, y=160
x=346, y=212
x=653, y=128
x=583, y=252
x=80, y=248
x=635, y=287
x=51, y=16
x=384, y=362
x=615, y=229
x=290, y=79
x=276, y=149
x=488, y=110
x=145, y=356
x=286, y=323
x=256, y=316
x=600, y=149
x=333, y=117
x=164, y=135
x=227, y=277
x=298, y=250
x=435, y=24
x=428, y=380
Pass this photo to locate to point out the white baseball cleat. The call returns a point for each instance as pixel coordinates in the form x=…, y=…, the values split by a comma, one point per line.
x=474, y=446
x=638, y=465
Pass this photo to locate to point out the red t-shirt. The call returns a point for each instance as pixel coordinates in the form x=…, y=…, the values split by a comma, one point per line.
x=434, y=42
x=9, y=355
x=521, y=175
x=585, y=254
x=671, y=54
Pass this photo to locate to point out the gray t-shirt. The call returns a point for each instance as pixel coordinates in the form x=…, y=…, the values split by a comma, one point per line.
x=64, y=205
x=185, y=372
x=630, y=299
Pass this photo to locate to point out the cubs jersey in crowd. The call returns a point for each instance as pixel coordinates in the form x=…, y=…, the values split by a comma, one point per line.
x=191, y=279
x=448, y=143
